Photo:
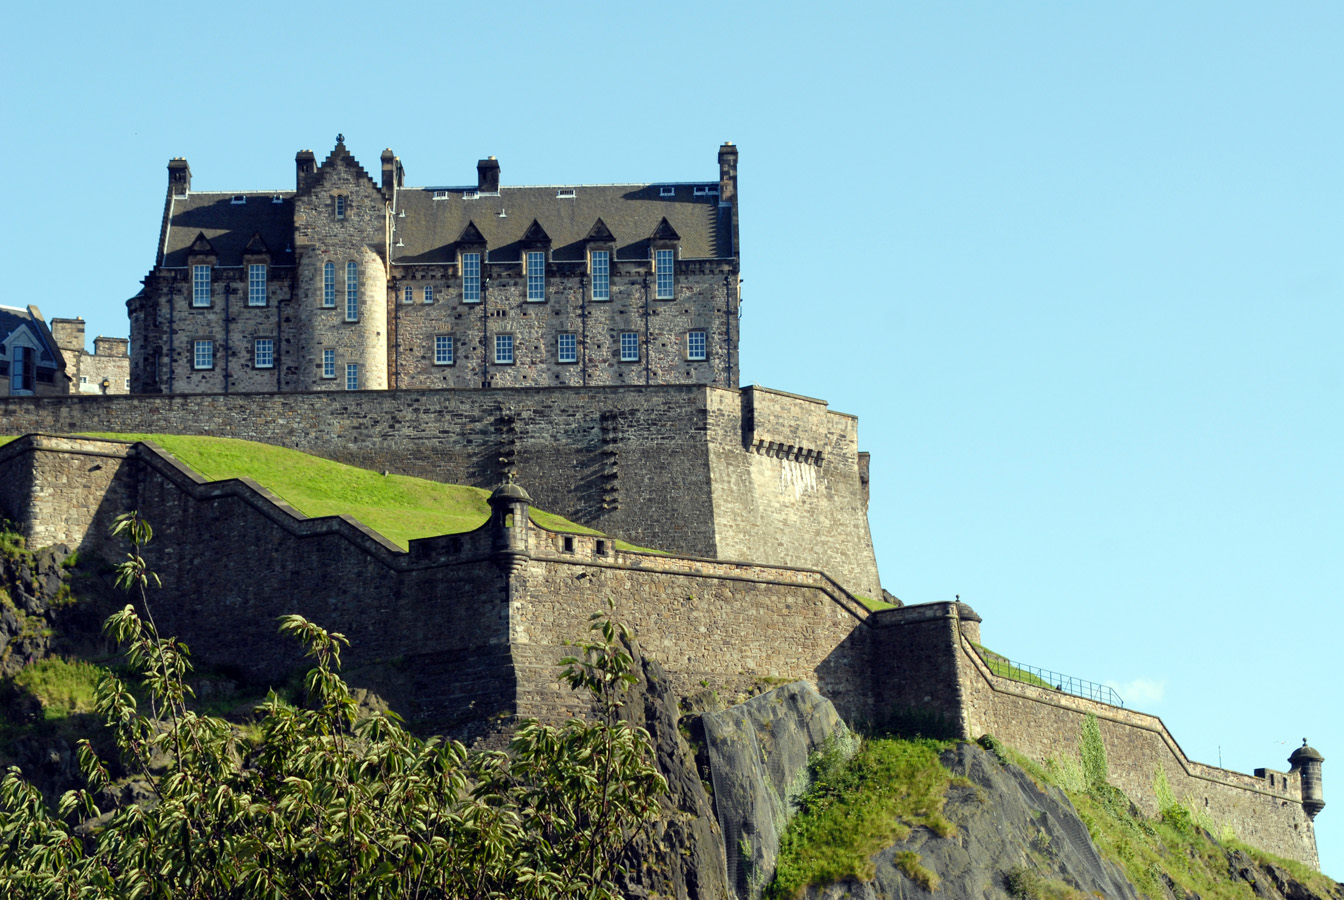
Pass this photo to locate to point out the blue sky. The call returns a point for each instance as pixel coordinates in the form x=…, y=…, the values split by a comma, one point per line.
x=1076, y=268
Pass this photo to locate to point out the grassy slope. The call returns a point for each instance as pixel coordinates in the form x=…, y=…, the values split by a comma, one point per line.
x=396, y=506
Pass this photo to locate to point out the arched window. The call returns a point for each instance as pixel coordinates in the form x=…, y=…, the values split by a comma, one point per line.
x=351, y=292
x=329, y=284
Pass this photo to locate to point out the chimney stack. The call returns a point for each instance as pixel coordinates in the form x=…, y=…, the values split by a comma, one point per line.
x=179, y=175
x=487, y=176
x=305, y=164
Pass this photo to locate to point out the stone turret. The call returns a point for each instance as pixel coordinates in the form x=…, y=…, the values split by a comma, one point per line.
x=1307, y=763
x=509, y=506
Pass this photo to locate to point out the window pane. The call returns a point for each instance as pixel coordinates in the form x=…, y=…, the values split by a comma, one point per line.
x=443, y=349
x=601, y=275
x=567, y=350
x=408, y=295
x=629, y=346
x=203, y=355
x=695, y=345
x=352, y=376
x=329, y=284
x=263, y=356
x=536, y=276
x=256, y=285
x=351, y=292
x=200, y=285
x=471, y=277
x=504, y=349
x=429, y=293
x=328, y=363
x=663, y=263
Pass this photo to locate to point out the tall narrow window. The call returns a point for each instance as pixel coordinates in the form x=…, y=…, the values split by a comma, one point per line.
x=351, y=292
x=443, y=349
x=340, y=207
x=536, y=275
x=663, y=265
x=328, y=363
x=408, y=295
x=629, y=346
x=200, y=285
x=471, y=278
x=256, y=284
x=22, y=378
x=429, y=293
x=203, y=355
x=352, y=376
x=329, y=284
x=601, y=275
x=567, y=348
x=263, y=353
x=504, y=349
x=695, y=345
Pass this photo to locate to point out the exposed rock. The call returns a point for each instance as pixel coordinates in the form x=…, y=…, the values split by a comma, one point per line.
x=758, y=754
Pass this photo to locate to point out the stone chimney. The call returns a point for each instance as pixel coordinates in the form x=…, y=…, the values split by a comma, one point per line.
x=393, y=176
x=728, y=173
x=487, y=176
x=179, y=176
x=110, y=346
x=305, y=164
x=69, y=334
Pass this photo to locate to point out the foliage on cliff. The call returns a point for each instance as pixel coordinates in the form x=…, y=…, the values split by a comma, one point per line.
x=325, y=804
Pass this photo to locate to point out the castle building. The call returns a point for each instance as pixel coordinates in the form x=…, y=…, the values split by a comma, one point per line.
x=107, y=370
x=348, y=284
x=31, y=364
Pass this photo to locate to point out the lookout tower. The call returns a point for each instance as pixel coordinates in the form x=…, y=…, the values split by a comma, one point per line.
x=1307, y=762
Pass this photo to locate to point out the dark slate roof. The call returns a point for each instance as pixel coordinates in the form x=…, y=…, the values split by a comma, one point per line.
x=229, y=226
x=10, y=321
x=430, y=228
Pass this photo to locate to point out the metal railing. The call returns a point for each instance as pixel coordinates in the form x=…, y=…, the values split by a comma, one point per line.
x=1044, y=678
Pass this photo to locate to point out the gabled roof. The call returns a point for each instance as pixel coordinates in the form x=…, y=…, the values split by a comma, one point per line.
x=471, y=235
x=600, y=234
x=630, y=213
x=229, y=226
x=256, y=245
x=664, y=232
x=535, y=234
x=30, y=321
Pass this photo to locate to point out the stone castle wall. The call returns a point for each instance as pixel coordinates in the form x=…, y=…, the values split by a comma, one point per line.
x=937, y=668
x=663, y=467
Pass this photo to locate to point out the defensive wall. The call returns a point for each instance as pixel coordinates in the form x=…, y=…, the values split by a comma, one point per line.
x=730, y=474
x=938, y=640
x=469, y=627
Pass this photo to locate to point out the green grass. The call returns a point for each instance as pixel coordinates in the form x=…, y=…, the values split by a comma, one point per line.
x=64, y=687
x=874, y=605
x=1178, y=844
x=6, y=440
x=398, y=507
x=859, y=806
x=999, y=665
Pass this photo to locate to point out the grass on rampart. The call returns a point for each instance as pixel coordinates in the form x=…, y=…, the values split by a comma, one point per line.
x=1179, y=845
x=860, y=805
x=62, y=686
x=1001, y=666
x=398, y=507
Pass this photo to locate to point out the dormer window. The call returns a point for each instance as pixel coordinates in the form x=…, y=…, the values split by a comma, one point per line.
x=200, y=285
x=440, y=195
x=564, y=194
x=471, y=195
x=667, y=192
x=277, y=199
x=471, y=278
x=536, y=276
x=706, y=191
x=256, y=284
x=238, y=199
x=664, y=262
x=340, y=207
x=599, y=262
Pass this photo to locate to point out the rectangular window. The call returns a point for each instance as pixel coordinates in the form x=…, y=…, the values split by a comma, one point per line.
x=203, y=355
x=256, y=284
x=601, y=265
x=352, y=376
x=536, y=276
x=443, y=349
x=408, y=295
x=340, y=207
x=567, y=349
x=200, y=285
x=629, y=346
x=351, y=292
x=504, y=349
x=25, y=368
x=471, y=278
x=663, y=264
x=429, y=293
x=328, y=363
x=263, y=353
x=695, y=345
x=329, y=285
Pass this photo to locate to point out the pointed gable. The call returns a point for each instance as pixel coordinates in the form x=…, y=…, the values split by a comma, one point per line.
x=256, y=246
x=201, y=246
x=600, y=234
x=665, y=233
x=471, y=234
x=536, y=237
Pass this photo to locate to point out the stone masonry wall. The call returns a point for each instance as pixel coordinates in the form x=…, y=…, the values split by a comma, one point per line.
x=928, y=646
x=662, y=467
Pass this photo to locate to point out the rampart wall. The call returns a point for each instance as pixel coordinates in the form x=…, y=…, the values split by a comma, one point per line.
x=751, y=474
x=1042, y=723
